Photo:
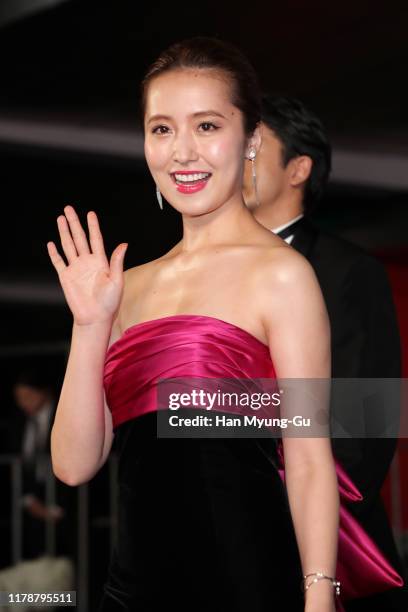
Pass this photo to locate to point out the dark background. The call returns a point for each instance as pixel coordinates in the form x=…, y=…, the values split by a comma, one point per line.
x=70, y=133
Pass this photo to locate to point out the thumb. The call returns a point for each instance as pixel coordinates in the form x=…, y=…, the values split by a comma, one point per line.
x=116, y=261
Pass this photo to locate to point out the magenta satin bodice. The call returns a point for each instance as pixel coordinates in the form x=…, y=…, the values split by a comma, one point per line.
x=206, y=347
x=177, y=346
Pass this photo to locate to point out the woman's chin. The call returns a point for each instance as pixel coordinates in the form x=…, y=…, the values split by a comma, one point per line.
x=192, y=207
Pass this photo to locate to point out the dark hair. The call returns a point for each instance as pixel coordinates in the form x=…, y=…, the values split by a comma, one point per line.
x=36, y=377
x=213, y=54
x=301, y=133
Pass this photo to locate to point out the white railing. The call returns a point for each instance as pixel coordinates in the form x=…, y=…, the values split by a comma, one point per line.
x=15, y=464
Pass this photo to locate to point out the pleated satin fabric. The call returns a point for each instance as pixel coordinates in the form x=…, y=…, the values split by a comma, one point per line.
x=177, y=346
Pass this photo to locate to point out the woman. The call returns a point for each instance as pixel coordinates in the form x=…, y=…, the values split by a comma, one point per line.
x=205, y=521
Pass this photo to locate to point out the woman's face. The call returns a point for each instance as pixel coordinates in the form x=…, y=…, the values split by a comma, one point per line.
x=194, y=140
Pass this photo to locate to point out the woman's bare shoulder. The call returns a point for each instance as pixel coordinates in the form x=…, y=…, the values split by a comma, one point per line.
x=286, y=283
x=281, y=266
x=140, y=274
x=136, y=273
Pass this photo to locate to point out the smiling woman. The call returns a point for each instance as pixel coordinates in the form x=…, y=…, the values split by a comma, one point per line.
x=203, y=524
x=199, y=144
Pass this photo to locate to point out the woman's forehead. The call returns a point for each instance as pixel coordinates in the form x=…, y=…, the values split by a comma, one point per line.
x=188, y=92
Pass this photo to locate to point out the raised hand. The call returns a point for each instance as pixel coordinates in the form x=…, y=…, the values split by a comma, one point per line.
x=92, y=286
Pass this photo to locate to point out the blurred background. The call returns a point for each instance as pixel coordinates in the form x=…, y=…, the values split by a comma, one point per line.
x=70, y=133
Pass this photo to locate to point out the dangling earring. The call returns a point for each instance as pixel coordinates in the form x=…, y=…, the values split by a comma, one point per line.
x=159, y=197
x=251, y=157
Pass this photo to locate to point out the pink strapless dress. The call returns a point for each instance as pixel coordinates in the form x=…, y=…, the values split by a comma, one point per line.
x=203, y=523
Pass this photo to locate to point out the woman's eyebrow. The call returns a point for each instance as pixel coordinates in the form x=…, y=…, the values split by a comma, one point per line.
x=159, y=118
x=208, y=113
x=205, y=113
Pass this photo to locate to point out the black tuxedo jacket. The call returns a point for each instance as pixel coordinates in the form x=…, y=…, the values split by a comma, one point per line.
x=365, y=344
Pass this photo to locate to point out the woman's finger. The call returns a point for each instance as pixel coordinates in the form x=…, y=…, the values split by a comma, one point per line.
x=56, y=259
x=116, y=262
x=67, y=243
x=77, y=232
x=95, y=235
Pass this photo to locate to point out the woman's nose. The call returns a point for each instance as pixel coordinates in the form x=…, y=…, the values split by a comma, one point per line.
x=185, y=149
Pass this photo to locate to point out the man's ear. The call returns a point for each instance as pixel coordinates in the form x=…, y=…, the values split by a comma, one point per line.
x=301, y=168
x=254, y=141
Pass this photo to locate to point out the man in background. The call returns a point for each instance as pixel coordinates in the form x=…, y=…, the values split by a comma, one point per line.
x=291, y=169
x=34, y=397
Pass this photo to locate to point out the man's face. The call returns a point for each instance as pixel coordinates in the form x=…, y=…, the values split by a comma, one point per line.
x=29, y=399
x=272, y=179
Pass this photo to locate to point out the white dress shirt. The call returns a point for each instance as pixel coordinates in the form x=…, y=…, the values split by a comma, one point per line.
x=288, y=239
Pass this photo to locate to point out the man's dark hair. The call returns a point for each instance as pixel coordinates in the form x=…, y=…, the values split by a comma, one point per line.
x=301, y=133
x=36, y=377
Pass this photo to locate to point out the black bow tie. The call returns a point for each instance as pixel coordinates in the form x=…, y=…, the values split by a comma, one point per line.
x=288, y=231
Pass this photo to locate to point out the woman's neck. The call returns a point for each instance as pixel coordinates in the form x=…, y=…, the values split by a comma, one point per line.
x=228, y=224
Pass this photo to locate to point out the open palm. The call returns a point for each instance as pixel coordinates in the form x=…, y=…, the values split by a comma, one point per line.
x=92, y=285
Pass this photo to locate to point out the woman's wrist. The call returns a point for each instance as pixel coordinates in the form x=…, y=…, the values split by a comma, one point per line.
x=314, y=577
x=98, y=331
x=320, y=594
x=84, y=327
x=320, y=590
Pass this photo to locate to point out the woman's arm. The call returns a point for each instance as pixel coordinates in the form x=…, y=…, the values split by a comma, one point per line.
x=81, y=435
x=299, y=338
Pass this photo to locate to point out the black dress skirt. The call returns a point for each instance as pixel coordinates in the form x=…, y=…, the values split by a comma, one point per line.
x=203, y=525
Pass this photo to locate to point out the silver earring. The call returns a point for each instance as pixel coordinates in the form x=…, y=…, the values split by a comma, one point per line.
x=251, y=157
x=159, y=197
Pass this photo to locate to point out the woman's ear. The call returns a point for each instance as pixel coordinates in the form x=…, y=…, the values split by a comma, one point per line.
x=254, y=141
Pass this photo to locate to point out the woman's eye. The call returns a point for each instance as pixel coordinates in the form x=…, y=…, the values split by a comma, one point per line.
x=160, y=129
x=207, y=126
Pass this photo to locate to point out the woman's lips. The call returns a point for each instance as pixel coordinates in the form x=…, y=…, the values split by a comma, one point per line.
x=192, y=187
x=188, y=187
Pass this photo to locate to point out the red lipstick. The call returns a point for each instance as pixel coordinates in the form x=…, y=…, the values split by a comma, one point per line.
x=193, y=186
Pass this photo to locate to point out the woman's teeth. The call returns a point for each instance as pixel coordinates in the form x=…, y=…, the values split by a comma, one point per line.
x=191, y=178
